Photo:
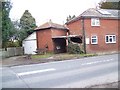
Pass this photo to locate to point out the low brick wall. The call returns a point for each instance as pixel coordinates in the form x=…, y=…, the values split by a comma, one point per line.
x=10, y=52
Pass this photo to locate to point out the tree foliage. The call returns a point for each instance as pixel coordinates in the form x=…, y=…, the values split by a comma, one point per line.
x=70, y=17
x=7, y=26
x=27, y=22
x=104, y=4
x=27, y=25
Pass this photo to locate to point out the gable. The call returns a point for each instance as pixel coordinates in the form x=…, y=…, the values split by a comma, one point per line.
x=31, y=37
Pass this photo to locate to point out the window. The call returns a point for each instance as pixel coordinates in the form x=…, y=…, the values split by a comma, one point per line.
x=94, y=40
x=95, y=22
x=110, y=39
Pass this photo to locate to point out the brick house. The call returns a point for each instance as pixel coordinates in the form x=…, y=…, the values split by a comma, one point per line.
x=51, y=36
x=99, y=30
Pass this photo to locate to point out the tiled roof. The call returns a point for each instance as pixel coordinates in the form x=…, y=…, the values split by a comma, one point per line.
x=92, y=12
x=50, y=24
x=101, y=13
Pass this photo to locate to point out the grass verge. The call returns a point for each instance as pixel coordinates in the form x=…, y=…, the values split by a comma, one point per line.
x=42, y=56
x=64, y=56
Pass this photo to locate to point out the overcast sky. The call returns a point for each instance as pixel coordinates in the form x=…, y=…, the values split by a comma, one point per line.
x=56, y=10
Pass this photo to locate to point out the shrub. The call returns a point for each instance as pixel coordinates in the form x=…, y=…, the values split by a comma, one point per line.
x=13, y=44
x=74, y=48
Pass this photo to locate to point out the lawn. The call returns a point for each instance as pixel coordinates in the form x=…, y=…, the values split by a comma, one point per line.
x=42, y=56
x=62, y=56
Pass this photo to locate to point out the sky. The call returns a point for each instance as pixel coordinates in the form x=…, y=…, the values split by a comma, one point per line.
x=56, y=10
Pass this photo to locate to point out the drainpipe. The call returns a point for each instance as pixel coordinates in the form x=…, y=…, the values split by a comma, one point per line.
x=83, y=34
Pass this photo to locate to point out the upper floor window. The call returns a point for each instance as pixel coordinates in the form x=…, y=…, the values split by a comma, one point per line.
x=94, y=39
x=95, y=22
x=110, y=39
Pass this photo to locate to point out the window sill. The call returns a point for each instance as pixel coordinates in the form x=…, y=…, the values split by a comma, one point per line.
x=94, y=44
x=110, y=42
x=95, y=25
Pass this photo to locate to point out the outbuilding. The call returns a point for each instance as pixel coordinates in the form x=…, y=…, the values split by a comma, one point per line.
x=51, y=36
x=30, y=44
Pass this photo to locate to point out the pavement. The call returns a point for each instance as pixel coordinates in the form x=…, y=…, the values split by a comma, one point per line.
x=21, y=60
x=109, y=85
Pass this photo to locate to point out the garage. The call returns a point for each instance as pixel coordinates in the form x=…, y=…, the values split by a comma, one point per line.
x=30, y=44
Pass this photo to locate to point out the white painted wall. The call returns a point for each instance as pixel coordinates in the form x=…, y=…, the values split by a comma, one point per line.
x=30, y=44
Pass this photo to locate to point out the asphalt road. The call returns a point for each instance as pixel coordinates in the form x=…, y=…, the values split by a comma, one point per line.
x=77, y=73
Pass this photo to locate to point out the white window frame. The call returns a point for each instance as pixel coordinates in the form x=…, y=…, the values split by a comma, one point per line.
x=110, y=37
x=95, y=22
x=94, y=37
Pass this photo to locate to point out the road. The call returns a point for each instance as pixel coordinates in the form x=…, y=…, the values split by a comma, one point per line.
x=77, y=73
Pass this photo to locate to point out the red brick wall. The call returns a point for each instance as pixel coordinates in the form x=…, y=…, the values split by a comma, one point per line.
x=45, y=37
x=56, y=32
x=75, y=28
x=106, y=27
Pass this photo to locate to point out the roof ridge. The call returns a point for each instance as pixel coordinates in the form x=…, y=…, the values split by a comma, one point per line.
x=50, y=23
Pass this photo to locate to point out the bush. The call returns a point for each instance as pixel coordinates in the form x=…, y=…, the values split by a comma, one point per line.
x=13, y=44
x=74, y=48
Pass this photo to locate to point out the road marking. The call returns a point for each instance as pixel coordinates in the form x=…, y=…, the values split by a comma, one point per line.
x=97, y=62
x=37, y=71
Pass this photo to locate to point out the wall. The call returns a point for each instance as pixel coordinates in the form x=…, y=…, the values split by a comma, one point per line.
x=56, y=32
x=44, y=38
x=30, y=44
x=75, y=28
x=15, y=51
x=107, y=26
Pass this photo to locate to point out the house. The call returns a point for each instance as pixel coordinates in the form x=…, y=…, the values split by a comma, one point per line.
x=30, y=44
x=51, y=36
x=99, y=30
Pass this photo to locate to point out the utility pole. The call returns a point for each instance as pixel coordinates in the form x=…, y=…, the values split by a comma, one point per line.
x=83, y=34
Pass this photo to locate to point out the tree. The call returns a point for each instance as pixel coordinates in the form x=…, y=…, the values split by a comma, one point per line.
x=70, y=17
x=105, y=4
x=27, y=22
x=27, y=25
x=7, y=26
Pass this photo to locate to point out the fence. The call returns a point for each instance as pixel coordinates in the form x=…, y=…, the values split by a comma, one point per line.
x=14, y=51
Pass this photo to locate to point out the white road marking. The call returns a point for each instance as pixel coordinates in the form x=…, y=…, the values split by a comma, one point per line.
x=97, y=62
x=37, y=71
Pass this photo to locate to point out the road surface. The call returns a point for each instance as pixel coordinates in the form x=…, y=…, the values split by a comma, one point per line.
x=77, y=73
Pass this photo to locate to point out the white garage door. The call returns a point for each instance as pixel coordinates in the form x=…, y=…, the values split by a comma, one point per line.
x=30, y=47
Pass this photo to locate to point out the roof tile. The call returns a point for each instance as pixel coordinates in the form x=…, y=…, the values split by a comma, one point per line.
x=50, y=24
x=102, y=13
